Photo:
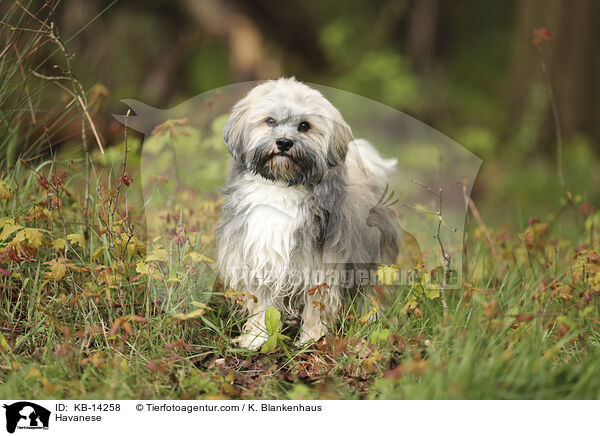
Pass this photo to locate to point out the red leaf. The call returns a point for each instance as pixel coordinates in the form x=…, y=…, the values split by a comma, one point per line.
x=126, y=179
x=127, y=327
x=533, y=221
x=115, y=327
x=586, y=209
x=135, y=278
x=541, y=34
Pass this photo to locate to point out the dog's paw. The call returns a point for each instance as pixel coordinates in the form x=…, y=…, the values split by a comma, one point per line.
x=251, y=341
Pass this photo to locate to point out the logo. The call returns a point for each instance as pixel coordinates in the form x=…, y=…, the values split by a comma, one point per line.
x=26, y=415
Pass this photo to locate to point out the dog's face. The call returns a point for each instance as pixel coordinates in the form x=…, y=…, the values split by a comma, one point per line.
x=287, y=131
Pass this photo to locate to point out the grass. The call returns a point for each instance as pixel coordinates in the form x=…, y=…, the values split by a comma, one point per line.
x=87, y=312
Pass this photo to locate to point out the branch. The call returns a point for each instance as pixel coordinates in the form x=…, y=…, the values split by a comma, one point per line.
x=446, y=257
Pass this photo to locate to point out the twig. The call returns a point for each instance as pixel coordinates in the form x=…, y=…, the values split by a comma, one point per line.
x=88, y=164
x=557, y=126
x=78, y=91
x=79, y=95
x=446, y=257
x=29, y=104
x=477, y=216
x=124, y=166
x=92, y=125
x=539, y=37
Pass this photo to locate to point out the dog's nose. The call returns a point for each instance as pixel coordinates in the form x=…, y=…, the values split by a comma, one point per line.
x=284, y=144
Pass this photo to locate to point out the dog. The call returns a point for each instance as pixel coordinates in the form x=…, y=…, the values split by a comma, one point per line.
x=300, y=208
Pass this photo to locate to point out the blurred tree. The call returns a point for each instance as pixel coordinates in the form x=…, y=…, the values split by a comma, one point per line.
x=450, y=64
x=291, y=26
x=250, y=57
x=422, y=34
x=571, y=57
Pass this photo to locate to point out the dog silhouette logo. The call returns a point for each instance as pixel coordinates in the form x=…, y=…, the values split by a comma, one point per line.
x=26, y=415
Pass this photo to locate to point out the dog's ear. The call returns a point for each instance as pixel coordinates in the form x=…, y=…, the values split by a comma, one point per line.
x=338, y=144
x=234, y=131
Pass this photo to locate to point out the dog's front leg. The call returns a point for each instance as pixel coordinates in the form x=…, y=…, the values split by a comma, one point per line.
x=254, y=332
x=320, y=311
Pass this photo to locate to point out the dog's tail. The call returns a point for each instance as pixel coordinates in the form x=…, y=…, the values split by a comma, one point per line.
x=362, y=154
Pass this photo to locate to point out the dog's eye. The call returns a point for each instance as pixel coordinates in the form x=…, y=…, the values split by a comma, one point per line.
x=303, y=126
x=271, y=122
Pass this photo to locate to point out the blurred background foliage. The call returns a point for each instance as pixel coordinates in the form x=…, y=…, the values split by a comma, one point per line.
x=467, y=68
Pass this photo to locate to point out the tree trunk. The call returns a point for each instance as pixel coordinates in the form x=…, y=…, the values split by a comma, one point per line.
x=570, y=60
x=422, y=34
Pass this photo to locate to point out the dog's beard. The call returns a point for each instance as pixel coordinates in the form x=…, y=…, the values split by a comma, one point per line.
x=300, y=165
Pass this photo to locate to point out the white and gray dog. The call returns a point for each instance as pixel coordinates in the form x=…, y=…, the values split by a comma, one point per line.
x=300, y=208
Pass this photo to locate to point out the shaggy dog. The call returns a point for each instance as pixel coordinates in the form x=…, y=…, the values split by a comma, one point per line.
x=300, y=224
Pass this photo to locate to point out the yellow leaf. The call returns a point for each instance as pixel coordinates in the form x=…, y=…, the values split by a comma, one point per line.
x=123, y=365
x=33, y=373
x=142, y=267
x=8, y=229
x=427, y=287
x=3, y=343
x=58, y=269
x=5, y=220
x=48, y=387
x=191, y=315
x=371, y=360
x=95, y=359
x=366, y=318
x=98, y=252
x=135, y=247
x=33, y=236
x=76, y=239
x=388, y=274
x=159, y=254
x=174, y=279
x=239, y=296
x=5, y=192
x=59, y=244
x=195, y=257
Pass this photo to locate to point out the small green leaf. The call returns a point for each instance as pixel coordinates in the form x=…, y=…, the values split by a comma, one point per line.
x=380, y=336
x=273, y=324
x=427, y=287
x=272, y=320
x=3, y=343
x=269, y=345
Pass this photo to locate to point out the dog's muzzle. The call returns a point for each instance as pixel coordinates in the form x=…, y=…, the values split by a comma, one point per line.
x=288, y=161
